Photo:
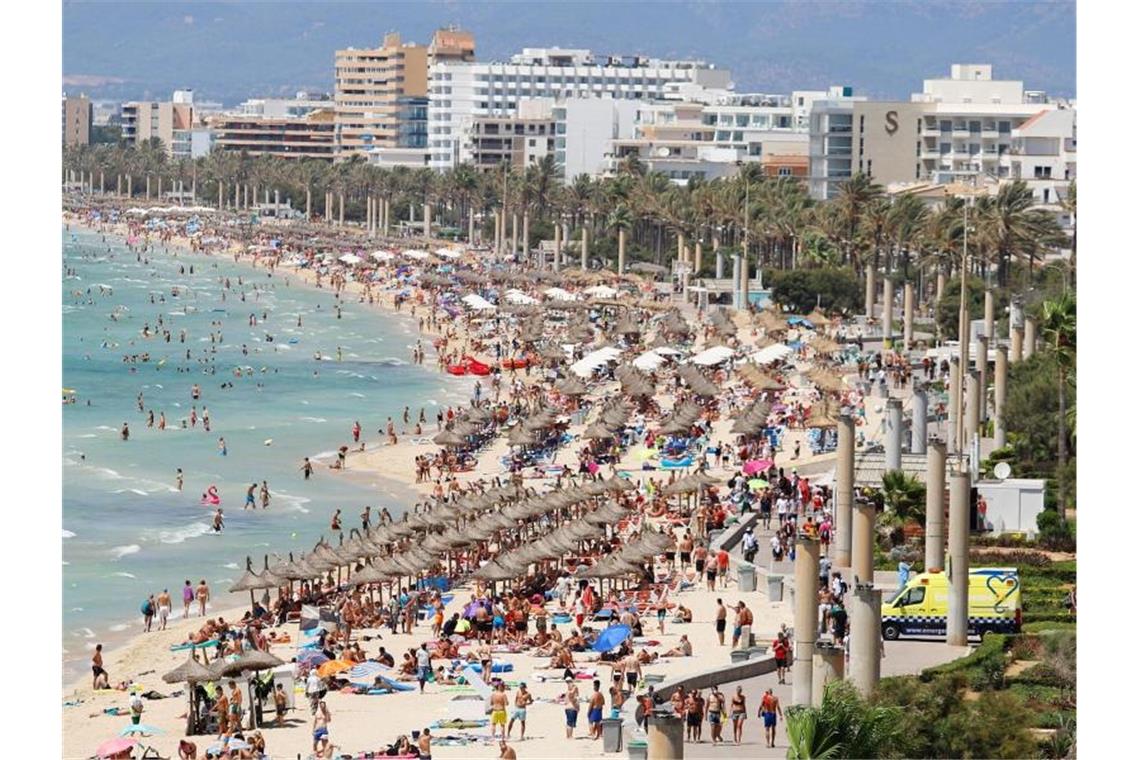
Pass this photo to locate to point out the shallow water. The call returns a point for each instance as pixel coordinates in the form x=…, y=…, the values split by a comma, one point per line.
x=128, y=531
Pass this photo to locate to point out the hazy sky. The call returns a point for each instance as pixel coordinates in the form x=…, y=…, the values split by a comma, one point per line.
x=232, y=50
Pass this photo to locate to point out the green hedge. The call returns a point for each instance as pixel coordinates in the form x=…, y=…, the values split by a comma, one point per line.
x=1042, y=626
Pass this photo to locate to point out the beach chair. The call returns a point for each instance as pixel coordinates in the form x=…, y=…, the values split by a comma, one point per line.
x=150, y=753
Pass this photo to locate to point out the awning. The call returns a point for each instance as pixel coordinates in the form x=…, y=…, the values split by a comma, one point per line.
x=477, y=302
x=351, y=258
x=447, y=253
x=601, y=291
x=773, y=353
x=711, y=356
x=585, y=366
x=416, y=254
x=558, y=294
x=516, y=296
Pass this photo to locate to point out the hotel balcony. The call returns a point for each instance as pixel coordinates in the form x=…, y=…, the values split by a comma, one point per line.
x=929, y=131
x=962, y=133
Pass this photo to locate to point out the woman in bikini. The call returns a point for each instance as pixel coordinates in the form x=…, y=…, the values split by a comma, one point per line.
x=738, y=712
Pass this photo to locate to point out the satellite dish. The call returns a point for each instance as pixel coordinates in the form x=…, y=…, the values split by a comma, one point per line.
x=663, y=152
x=1001, y=470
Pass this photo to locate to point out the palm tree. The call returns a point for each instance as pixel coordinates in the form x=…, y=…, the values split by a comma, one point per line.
x=1069, y=204
x=621, y=220
x=1059, y=329
x=1012, y=229
x=902, y=494
x=855, y=196
x=844, y=725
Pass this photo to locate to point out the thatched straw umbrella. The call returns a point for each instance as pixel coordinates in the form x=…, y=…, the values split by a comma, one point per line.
x=191, y=673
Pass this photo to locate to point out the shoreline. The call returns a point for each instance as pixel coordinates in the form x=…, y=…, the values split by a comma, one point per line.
x=401, y=493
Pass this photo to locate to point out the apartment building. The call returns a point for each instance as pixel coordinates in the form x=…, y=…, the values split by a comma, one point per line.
x=460, y=92
x=171, y=122
x=77, y=117
x=277, y=108
x=710, y=134
x=1044, y=154
x=518, y=140
x=373, y=86
x=584, y=131
x=958, y=128
x=312, y=135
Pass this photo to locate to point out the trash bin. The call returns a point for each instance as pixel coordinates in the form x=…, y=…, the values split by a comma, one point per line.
x=611, y=734
x=666, y=737
x=775, y=588
x=638, y=750
x=746, y=577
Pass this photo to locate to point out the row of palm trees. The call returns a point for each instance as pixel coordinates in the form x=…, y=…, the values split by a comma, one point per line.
x=773, y=217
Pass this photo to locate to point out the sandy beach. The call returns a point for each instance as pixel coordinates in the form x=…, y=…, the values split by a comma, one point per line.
x=363, y=723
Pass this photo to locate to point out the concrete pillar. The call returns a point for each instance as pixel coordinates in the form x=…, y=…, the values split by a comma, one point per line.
x=267, y=196
x=119, y=185
x=957, y=621
x=308, y=203
x=1001, y=370
x=888, y=310
x=844, y=490
x=1030, y=346
x=866, y=615
x=919, y=408
x=130, y=190
x=736, y=280
x=893, y=443
x=526, y=235
x=159, y=196
x=514, y=232
x=665, y=738
x=427, y=220
x=340, y=211
x=148, y=193
x=827, y=666
x=982, y=365
x=939, y=286
x=699, y=259
x=869, y=291
x=719, y=257
x=471, y=226
x=585, y=246
x=806, y=617
x=680, y=246
x=621, y=250
x=863, y=540
x=988, y=315
x=557, y=247
x=1014, y=344
x=908, y=315
x=101, y=188
x=955, y=411
x=245, y=197
x=387, y=216
x=972, y=418
x=368, y=215
x=935, y=508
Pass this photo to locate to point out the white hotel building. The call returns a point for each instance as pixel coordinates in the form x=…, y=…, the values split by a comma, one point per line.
x=459, y=92
x=705, y=134
x=964, y=127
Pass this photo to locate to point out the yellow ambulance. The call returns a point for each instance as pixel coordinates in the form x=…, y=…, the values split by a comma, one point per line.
x=920, y=608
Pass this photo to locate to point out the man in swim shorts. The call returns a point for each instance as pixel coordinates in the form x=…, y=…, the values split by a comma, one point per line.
x=769, y=709
x=321, y=728
x=522, y=699
x=594, y=715
x=499, y=709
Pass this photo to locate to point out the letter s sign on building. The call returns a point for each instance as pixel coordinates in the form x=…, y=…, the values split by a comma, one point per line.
x=892, y=119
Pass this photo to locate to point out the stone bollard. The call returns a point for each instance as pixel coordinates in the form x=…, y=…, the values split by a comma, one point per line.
x=866, y=637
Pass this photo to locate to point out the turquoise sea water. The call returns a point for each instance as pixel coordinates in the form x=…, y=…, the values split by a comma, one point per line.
x=127, y=531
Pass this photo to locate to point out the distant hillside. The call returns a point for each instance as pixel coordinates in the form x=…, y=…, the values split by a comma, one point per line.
x=232, y=50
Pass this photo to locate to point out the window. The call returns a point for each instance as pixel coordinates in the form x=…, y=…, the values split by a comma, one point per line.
x=1045, y=194
x=785, y=171
x=913, y=596
x=861, y=118
x=1042, y=172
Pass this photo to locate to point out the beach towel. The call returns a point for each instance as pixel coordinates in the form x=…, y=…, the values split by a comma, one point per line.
x=497, y=666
